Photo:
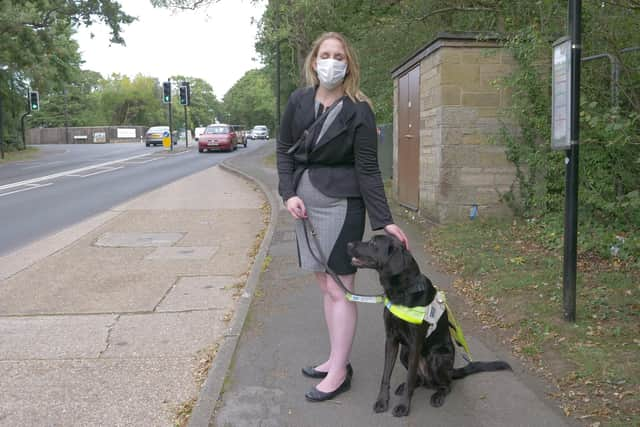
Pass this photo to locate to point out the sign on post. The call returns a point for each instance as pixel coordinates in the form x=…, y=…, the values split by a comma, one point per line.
x=99, y=137
x=561, y=95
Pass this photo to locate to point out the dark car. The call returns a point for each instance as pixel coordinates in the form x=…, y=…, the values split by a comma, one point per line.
x=218, y=137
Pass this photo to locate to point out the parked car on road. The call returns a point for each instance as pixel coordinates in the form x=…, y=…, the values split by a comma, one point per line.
x=218, y=137
x=259, y=132
x=155, y=135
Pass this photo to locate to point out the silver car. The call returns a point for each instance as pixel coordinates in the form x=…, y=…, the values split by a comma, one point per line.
x=155, y=135
x=259, y=132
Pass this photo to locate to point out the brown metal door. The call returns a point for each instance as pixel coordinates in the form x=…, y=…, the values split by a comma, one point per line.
x=409, y=138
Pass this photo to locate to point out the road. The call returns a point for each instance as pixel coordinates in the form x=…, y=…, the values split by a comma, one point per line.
x=65, y=184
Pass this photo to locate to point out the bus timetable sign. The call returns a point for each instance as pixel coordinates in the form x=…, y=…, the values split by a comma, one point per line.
x=561, y=95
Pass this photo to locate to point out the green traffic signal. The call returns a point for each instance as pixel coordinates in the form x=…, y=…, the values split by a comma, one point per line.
x=184, y=95
x=34, y=100
x=166, y=92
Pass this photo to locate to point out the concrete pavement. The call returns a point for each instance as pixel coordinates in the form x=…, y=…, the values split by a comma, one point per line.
x=114, y=321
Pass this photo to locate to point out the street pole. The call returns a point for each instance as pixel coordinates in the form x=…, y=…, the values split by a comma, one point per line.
x=24, y=140
x=187, y=94
x=186, y=135
x=571, y=171
x=277, y=129
x=170, y=126
x=3, y=67
x=1, y=130
x=66, y=117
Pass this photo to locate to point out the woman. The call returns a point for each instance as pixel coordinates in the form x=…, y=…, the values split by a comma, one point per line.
x=331, y=176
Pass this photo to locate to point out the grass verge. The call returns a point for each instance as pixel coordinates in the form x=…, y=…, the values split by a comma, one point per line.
x=270, y=160
x=514, y=282
x=18, y=155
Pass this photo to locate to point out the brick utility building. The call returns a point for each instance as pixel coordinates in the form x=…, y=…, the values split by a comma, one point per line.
x=447, y=108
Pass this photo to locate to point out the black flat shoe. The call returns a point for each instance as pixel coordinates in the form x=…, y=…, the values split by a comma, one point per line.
x=315, y=395
x=311, y=372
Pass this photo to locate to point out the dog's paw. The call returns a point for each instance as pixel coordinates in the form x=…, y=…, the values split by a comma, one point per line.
x=381, y=405
x=400, y=389
x=437, y=399
x=401, y=410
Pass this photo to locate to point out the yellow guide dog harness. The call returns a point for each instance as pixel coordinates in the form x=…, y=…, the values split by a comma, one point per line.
x=430, y=314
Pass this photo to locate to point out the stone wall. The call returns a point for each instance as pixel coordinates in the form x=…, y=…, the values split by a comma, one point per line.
x=460, y=112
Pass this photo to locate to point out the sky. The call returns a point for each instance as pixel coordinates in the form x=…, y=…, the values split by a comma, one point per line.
x=215, y=43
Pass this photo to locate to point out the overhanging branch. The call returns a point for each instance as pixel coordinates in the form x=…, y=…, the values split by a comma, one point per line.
x=456, y=9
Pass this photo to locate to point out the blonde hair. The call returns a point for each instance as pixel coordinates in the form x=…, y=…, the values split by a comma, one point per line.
x=351, y=82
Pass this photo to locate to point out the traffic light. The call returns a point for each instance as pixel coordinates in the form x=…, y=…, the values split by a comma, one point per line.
x=184, y=95
x=34, y=100
x=166, y=92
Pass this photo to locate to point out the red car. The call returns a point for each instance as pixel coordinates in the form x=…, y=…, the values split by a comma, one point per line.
x=218, y=137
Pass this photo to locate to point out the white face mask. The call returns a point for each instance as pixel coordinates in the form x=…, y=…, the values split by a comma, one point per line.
x=330, y=72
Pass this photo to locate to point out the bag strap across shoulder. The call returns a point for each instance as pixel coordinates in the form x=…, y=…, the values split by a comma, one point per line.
x=312, y=126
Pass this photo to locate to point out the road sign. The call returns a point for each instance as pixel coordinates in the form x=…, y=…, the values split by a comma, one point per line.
x=561, y=95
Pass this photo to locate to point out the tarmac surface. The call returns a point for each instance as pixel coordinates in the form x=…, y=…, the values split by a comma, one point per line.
x=112, y=322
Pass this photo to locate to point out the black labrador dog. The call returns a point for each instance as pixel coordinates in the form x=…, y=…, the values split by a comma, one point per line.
x=428, y=360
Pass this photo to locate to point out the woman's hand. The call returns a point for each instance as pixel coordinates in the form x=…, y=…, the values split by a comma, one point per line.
x=397, y=232
x=296, y=208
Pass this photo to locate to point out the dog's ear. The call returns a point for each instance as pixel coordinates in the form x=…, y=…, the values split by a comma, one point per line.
x=396, y=257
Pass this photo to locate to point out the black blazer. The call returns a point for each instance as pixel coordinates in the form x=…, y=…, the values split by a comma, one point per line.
x=343, y=163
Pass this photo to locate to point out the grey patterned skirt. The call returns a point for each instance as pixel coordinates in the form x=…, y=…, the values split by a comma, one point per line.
x=336, y=222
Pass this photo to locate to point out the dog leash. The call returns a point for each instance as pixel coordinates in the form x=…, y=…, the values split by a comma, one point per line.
x=320, y=258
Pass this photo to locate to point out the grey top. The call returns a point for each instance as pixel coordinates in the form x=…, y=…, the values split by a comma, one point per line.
x=334, y=110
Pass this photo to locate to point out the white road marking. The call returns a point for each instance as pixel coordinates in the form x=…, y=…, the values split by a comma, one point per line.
x=66, y=173
x=29, y=187
x=141, y=162
x=96, y=173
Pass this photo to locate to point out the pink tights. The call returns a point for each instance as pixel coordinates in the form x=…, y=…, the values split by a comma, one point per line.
x=341, y=317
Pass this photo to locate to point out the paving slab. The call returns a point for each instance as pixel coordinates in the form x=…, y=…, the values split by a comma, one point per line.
x=93, y=392
x=165, y=334
x=137, y=239
x=54, y=337
x=183, y=253
x=87, y=279
x=199, y=293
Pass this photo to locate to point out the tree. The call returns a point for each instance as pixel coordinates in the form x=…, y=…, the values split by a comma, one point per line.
x=37, y=47
x=204, y=106
x=134, y=102
x=73, y=104
x=250, y=100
